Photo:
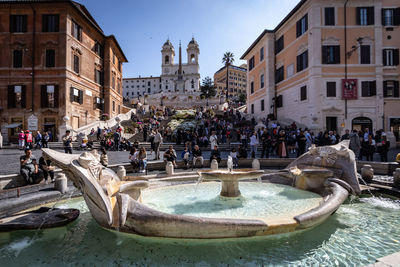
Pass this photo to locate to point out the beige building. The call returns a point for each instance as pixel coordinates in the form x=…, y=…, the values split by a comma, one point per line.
x=56, y=61
x=236, y=81
x=329, y=65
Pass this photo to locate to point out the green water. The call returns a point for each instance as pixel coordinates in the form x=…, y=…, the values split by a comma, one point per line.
x=355, y=235
x=258, y=200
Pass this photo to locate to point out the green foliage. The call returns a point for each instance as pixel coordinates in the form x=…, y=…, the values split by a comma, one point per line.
x=207, y=88
x=228, y=58
x=242, y=98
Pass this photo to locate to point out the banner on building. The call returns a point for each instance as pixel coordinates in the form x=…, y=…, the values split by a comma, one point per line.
x=349, y=88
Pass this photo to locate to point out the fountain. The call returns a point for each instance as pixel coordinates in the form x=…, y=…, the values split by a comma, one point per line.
x=117, y=204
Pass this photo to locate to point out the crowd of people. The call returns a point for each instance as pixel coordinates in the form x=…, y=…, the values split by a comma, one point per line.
x=242, y=138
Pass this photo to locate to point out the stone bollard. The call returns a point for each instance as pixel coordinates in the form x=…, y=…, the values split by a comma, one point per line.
x=396, y=178
x=169, y=168
x=60, y=184
x=255, y=164
x=367, y=173
x=214, y=164
x=121, y=172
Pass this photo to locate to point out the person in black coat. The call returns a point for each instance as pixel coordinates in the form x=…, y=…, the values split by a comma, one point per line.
x=215, y=154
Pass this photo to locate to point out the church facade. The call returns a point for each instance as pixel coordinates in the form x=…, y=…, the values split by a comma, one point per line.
x=176, y=77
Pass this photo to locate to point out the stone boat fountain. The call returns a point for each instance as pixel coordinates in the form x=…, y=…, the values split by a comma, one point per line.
x=117, y=204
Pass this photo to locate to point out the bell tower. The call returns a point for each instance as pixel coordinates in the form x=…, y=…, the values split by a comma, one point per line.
x=167, y=54
x=193, y=52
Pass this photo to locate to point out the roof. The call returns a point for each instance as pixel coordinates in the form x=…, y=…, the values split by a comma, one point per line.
x=78, y=7
x=231, y=66
x=288, y=16
x=255, y=42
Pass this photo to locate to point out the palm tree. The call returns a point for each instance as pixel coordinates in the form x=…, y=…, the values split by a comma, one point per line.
x=227, y=60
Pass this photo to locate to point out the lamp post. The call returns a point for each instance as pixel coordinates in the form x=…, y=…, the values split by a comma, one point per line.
x=207, y=96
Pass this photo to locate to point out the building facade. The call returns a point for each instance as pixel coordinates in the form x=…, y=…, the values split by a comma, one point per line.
x=236, y=81
x=170, y=80
x=56, y=62
x=329, y=65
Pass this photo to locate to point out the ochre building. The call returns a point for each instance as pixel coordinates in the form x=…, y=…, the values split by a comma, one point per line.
x=329, y=65
x=56, y=61
x=236, y=81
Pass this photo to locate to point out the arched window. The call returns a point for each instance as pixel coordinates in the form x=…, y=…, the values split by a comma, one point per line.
x=166, y=59
x=192, y=84
x=192, y=58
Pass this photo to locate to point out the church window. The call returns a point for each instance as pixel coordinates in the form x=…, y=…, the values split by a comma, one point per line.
x=192, y=58
x=192, y=84
x=166, y=87
x=166, y=59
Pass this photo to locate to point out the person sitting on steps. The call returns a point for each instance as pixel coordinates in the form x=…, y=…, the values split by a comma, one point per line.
x=185, y=157
x=215, y=154
x=197, y=155
x=47, y=169
x=170, y=155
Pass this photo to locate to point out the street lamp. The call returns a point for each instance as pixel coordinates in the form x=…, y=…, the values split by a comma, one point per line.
x=207, y=96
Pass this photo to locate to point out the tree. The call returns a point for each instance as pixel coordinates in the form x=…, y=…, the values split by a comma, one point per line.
x=227, y=60
x=207, y=88
x=242, y=98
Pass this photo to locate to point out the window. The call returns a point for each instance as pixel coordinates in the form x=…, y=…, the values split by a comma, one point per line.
x=279, y=101
x=303, y=93
x=365, y=16
x=302, y=61
x=76, y=95
x=262, y=81
x=252, y=108
x=391, y=89
x=262, y=54
x=49, y=96
x=251, y=63
x=390, y=57
x=329, y=16
x=113, y=58
x=98, y=103
x=365, y=54
x=113, y=82
x=330, y=89
x=368, y=88
x=113, y=105
x=290, y=70
x=18, y=23
x=391, y=16
x=262, y=105
x=76, y=63
x=98, y=49
x=99, y=76
x=331, y=54
x=17, y=59
x=16, y=96
x=252, y=88
x=50, y=23
x=76, y=31
x=50, y=58
x=279, y=75
x=279, y=44
x=302, y=26
x=148, y=83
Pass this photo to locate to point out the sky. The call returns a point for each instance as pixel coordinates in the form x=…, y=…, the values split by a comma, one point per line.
x=142, y=26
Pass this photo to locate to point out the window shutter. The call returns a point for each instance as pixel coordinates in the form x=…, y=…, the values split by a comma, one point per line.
x=57, y=23
x=24, y=23
x=306, y=19
x=396, y=88
x=56, y=96
x=337, y=54
x=383, y=16
x=372, y=86
x=23, y=97
x=364, y=89
x=44, y=23
x=71, y=94
x=12, y=23
x=365, y=54
x=384, y=57
x=43, y=97
x=385, y=89
x=395, y=57
x=11, y=97
x=358, y=19
x=396, y=16
x=298, y=28
x=80, y=97
x=324, y=57
x=94, y=102
x=298, y=62
x=306, y=59
x=371, y=15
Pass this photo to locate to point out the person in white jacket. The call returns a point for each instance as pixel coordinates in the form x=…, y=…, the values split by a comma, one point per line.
x=213, y=140
x=253, y=144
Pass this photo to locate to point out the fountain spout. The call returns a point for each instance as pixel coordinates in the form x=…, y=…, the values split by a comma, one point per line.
x=229, y=164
